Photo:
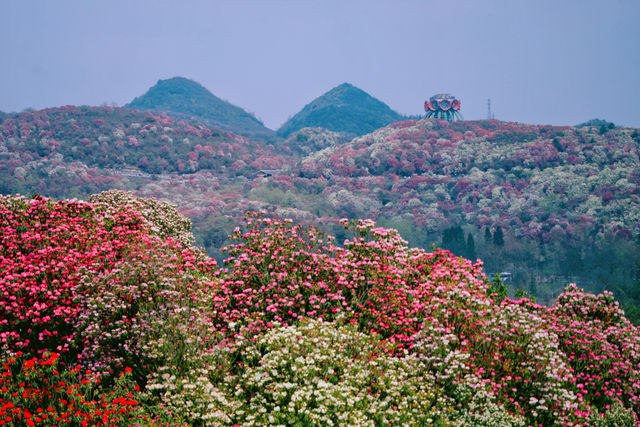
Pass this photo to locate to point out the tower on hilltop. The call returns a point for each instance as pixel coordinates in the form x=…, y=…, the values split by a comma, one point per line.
x=443, y=106
x=490, y=115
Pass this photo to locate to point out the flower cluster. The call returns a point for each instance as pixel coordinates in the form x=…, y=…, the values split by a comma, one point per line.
x=93, y=284
x=295, y=328
x=37, y=391
x=163, y=218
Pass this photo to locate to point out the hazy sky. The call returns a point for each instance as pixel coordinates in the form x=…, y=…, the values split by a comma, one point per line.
x=543, y=62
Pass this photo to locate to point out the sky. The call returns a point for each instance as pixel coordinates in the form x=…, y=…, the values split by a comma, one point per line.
x=539, y=61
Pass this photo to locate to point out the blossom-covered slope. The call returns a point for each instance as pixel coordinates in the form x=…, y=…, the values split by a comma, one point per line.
x=534, y=180
x=546, y=205
x=108, y=317
x=90, y=148
x=565, y=202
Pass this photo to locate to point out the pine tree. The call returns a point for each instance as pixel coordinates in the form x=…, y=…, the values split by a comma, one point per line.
x=498, y=237
x=487, y=235
x=471, y=248
x=453, y=239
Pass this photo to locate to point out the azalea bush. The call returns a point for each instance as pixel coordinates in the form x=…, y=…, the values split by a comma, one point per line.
x=39, y=391
x=114, y=309
x=315, y=373
x=96, y=286
x=601, y=346
x=163, y=218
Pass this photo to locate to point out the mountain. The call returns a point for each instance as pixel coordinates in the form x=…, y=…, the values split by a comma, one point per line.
x=182, y=98
x=344, y=109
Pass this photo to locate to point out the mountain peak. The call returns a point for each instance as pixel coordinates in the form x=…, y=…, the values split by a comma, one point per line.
x=183, y=98
x=345, y=85
x=181, y=82
x=346, y=109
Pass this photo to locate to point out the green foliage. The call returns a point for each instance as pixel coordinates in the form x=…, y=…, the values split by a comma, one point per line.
x=488, y=237
x=344, y=108
x=520, y=293
x=453, y=239
x=498, y=237
x=471, y=248
x=597, y=123
x=185, y=99
x=497, y=289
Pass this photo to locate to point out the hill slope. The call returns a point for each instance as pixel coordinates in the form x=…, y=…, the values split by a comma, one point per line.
x=345, y=109
x=549, y=205
x=185, y=99
x=522, y=177
x=54, y=150
x=565, y=202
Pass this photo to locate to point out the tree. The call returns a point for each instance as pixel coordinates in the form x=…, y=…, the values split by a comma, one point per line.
x=498, y=237
x=497, y=289
x=487, y=235
x=453, y=239
x=471, y=248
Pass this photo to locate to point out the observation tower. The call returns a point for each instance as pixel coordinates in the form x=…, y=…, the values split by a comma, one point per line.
x=443, y=106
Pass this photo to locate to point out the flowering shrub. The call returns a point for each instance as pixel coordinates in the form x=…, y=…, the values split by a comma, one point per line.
x=37, y=391
x=163, y=218
x=601, y=346
x=94, y=285
x=281, y=272
x=296, y=328
x=322, y=374
x=46, y=248
x=528, y=372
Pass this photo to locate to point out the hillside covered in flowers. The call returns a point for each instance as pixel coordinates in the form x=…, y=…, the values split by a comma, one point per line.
x=543, y=205
x=56, y=150
x=108, y=316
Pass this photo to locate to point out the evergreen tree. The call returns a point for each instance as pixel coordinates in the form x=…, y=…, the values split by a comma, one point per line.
x=603, y=129
x=471, y=248
x=498, y=237
x=487, y=235
x=453, y=239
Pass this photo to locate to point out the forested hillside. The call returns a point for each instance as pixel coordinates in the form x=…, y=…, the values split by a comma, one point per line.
x=534, y=201
x=544, y=205
x=345, y=109
x=182, y=98
x=79, y=150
